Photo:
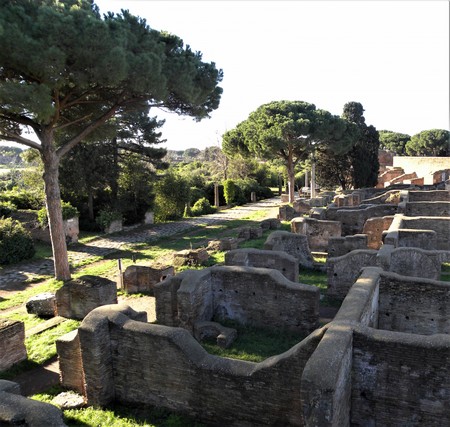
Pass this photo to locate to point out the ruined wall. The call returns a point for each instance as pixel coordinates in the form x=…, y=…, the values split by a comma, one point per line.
x=162, y=366
x=400, y=379
x=413, y=305
x=441, y=225
x=338, y=246
x=286, y=264
x=12, y=339
x=317, y=231
x=426, y=209
x=428, y=196
x=353, y=220
x=141, y=278
x=374, y=228
x=256, y=296
x=293, y=244
x=423, y=166
x=343, y=271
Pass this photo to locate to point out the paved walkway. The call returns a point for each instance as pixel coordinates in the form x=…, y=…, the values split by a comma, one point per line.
x=25, y=271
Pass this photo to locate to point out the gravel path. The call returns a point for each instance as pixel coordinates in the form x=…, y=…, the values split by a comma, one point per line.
x=12, y=278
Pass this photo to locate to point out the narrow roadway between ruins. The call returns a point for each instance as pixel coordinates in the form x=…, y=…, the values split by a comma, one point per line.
x=108, y=244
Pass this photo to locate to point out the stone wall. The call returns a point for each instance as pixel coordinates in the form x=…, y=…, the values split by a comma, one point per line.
x=428, y=196
x=338, y=246
x=425, y=209
x=423, y=166
x=317, y=231
x=343, y=271
x=413, y=305
x=293, y=244
x=440, y=225
x=400, y=379
x=256, y=296
x=353, y=220
x=141, y=278
x=78, y=297
x=149, y=364
x=374, y=228
x=286, y=264
x=12, y=339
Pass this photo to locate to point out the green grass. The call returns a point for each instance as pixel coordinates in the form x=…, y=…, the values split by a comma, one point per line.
x=40, y=349
x=21, y=297
x=254, y=344
x=118, y=415
x=29, y=320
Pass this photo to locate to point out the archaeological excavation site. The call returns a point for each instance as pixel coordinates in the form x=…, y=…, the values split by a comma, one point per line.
x=381, y=360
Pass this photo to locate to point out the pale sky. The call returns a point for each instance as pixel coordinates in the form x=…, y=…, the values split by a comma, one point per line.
x=391, y=56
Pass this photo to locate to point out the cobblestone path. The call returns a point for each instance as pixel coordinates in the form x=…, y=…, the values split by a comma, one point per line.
x=109, y=244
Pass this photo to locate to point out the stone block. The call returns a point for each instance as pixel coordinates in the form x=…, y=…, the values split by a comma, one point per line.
x=286, y=264
x=140, y=278
x=270, y=224
x=191, y=257
x=70, y=365
x=42, y=305
x=318, y=232
x=226, y=244
x=77, y=297
x=12, y=339
x=293, y=244
x=205, y=330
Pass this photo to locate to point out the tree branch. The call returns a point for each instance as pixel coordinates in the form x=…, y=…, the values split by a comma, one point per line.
x=9, y=136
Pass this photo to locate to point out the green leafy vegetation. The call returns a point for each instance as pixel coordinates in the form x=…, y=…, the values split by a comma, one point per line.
x=16, y=243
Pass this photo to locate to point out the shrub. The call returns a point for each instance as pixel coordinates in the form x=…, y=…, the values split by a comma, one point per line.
x=68, y=211
x=16, y=243
x=106, y=217
x=6, y=208
x=229, y=191
x=171, y=197
x=21, y=199
x=202, y=207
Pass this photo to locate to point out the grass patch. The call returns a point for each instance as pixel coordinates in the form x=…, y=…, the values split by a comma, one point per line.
x=118, y=415
x=21, y=297
x=445, y=272
x=254, y=344
x=43, y=250
x=41, y=347
x=29, y=320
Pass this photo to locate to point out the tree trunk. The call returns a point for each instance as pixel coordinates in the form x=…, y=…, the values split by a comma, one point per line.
x=53, y=203
x=291, y=178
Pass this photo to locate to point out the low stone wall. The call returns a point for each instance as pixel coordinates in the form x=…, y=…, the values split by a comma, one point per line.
x=400, y=379
x=286, y=264
x=256, y=296
x=343, y=271
x=353, y=220
x=425, y=209
x=317, y=231
x=374, y=229
x=141, y=278
x=338, y=246
x=12, y=339
x=413, y=305
x=426, y=196
x=78, y=297
x=291, y=243
x=173, y=371
x=440, y=225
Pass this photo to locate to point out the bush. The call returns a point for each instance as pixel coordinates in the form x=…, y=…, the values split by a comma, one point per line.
x=68, y=211
x=16, y=243
x=6, y=208
x=229, y=191
x=21, y=199
x=106, y=217
x=171, y=197
x=202, y=207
